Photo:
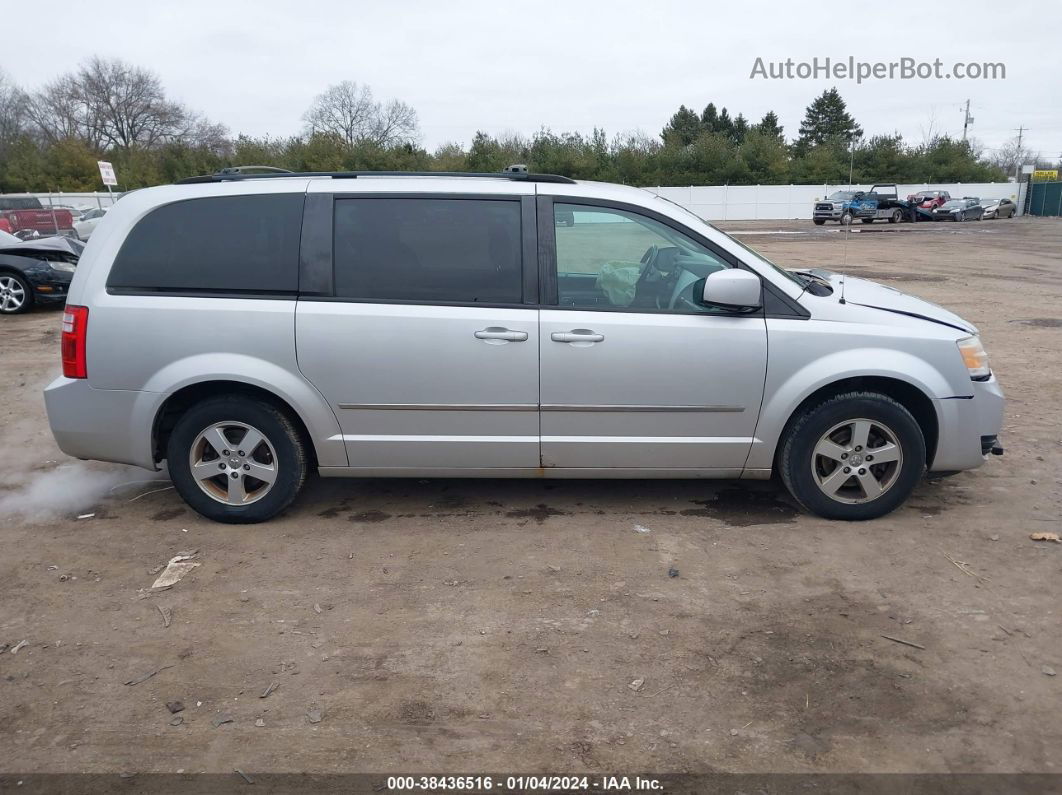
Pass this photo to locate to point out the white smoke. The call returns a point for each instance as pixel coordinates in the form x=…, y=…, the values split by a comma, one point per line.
x=57, y=487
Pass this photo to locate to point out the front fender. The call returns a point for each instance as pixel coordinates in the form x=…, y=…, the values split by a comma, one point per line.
x=788, y=386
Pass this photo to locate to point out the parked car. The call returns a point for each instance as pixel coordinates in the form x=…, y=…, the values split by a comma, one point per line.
x=968, y=209
x=29, y=218
x=430, y=325
x=87, y=224
x=998, y=208
x=929, y=199
x=35, y=272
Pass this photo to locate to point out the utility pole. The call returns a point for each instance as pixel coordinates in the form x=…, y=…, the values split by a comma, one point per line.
x=1018, y=153
x=967, y=119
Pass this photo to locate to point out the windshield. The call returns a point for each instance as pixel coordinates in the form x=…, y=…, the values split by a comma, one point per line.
x=783, y=272
x=841, y=195
x=953, y=204
x=701, y=222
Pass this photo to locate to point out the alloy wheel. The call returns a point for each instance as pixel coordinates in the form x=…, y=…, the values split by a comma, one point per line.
x=233, y=463
x=12, y=294
x=856, y=461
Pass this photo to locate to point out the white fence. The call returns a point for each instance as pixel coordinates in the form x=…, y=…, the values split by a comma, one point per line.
x=778, y=202
x=711, y=202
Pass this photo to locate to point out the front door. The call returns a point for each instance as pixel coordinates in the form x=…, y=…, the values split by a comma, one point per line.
x=426, y=351
x=636, y=373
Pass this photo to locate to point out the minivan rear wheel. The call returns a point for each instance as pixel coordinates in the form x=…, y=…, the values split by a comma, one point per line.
x=235, y=459
x=853, y=456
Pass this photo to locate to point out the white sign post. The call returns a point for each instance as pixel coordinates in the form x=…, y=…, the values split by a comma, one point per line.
x=108, y=176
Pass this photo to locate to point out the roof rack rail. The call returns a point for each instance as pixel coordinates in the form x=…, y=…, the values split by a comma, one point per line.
x=235, y=173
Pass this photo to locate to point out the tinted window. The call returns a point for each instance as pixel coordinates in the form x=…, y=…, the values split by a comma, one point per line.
x=231, y=244
x=437, y=250
x=615, y=259
x=20, y=204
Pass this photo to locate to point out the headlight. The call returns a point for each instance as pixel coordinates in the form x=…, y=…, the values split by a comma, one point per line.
x=69, y=267
x=974, y=357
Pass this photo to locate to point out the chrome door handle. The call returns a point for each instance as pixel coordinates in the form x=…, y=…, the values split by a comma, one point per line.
x=500, y=335
x=576, y=335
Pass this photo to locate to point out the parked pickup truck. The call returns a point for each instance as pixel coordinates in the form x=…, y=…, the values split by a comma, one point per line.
x=27, y=217
x=880, y=202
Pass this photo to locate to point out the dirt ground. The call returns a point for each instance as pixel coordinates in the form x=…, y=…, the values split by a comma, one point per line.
x=491, y=625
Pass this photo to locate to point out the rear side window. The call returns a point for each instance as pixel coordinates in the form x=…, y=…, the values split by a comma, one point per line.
x=429, y=250
x=228, y=244
x=20, y=204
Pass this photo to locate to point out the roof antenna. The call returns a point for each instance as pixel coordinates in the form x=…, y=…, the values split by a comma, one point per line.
x=848, y=226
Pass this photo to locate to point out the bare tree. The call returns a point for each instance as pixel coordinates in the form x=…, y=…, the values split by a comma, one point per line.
x=12, y=112
x=58, y=112
x=109, y=103
x=1012, y=155
x=396, y=123
x=127, y=105
x=348, y=111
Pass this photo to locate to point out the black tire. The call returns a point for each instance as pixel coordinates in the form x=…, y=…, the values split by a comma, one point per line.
x=796, y=458
x=19, y=281
x=281, y=435
x=896, y=217
x=846, y=219
x=819, y=221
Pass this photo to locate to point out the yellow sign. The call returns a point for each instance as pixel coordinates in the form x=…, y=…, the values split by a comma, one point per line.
x=1046, y=175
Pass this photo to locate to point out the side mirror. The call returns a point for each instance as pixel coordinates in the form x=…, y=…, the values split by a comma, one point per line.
x=733, y=289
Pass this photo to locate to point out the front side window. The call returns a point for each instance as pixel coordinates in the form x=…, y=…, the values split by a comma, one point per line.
x=614, y=259
x=434, y=250
x=227, y=244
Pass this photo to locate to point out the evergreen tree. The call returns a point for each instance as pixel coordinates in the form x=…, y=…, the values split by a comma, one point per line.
x=740, y=129
x=724, y=125
x=710, y=118
x=770, y=127
x=683, y=128
x=827, y=119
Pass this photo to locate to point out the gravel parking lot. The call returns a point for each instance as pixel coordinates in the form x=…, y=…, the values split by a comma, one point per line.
x=491, y=625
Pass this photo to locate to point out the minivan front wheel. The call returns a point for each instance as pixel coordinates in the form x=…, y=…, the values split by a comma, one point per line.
x=854, y=456
x=236, y=459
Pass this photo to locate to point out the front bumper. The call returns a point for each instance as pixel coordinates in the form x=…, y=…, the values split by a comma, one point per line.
x=964, y=426
x=49, y=285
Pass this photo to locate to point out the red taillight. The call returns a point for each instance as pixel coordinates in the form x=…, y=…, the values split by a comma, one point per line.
x=75, y=331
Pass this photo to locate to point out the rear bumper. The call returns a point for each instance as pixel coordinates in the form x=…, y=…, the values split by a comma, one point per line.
x=101, y=424
x=967, y=425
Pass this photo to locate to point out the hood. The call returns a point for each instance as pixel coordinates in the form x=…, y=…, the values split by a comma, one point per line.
x=863, y=292
x=30, y=247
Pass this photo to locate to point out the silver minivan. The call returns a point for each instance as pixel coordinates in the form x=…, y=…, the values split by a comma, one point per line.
x=250, y=329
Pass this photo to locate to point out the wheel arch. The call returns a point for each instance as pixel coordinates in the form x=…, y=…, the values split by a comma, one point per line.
x=911, y=397
x=171, y=409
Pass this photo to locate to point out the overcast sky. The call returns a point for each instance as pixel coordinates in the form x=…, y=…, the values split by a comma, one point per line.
x=517, y=66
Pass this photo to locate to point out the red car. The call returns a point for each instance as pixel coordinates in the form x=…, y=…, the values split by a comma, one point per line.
x=26, y=215
x=929, y=199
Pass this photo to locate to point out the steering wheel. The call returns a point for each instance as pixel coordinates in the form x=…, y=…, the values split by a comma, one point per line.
x=657, y=281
